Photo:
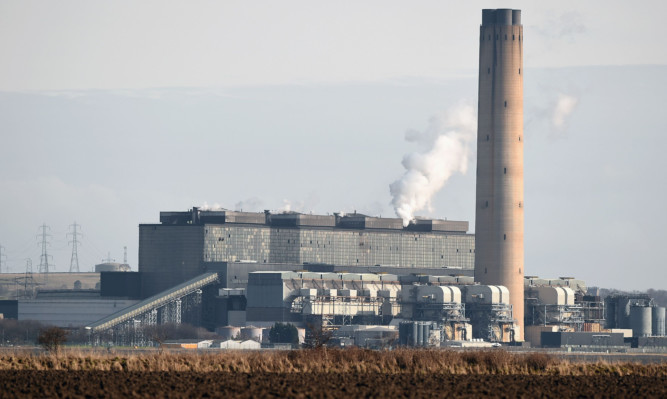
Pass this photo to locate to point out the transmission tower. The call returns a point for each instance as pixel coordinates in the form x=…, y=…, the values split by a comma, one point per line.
x=2, y=255
x=44, y=258
x=125, y=255
x=108, y=259
x=28, y=281
x=74, y=263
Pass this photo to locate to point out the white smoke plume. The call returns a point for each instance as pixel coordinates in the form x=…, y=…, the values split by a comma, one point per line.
x=563, y=108
x=446, y=150
x=207, y=207
x=292, y=206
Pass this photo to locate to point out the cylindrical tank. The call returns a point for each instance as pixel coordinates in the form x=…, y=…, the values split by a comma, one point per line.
x=301, y=332
x=253, y=333
x=640, y=321
x=228, y=332
x=623, y=313
x=658, y=321
x=415, y=334
x=426, y=333
x=420, y=334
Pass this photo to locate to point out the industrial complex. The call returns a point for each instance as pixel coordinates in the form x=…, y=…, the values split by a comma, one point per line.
x=361, y=280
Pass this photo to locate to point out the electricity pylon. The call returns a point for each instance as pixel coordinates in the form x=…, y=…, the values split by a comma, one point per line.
x=74, y=262
x=44, y=258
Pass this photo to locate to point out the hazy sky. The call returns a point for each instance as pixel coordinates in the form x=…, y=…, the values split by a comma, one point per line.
x=113, y=111
x=66, y=45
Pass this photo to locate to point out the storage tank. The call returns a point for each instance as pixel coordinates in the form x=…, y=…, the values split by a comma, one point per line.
x=253, y=333
x=640, y=321
x=426, y=333
x=228, y=332
x=658, y=321
x=623, y=312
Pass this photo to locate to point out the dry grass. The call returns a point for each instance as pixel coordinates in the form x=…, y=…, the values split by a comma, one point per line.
x=357, y=361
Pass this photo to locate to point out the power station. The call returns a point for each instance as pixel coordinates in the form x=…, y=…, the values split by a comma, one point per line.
x=369, y=281
x=499, y=206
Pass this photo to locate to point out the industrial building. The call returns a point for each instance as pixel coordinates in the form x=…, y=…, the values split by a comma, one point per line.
x=499, y=209
x=184, y=244
x=333, y=300
x=637, y=312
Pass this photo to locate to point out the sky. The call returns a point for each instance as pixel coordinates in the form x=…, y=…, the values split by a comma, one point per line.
x=111, y=112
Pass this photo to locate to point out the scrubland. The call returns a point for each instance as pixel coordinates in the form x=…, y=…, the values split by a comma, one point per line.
x=323, y=373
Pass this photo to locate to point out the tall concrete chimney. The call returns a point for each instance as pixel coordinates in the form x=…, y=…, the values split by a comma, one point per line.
x=499, y=209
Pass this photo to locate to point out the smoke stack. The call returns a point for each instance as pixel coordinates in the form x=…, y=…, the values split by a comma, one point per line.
x=499, y=253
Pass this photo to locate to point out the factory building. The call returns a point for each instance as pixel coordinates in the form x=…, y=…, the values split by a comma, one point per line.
x=637, y=312
x=185, y=244
x=332, y=300
x=499, y=209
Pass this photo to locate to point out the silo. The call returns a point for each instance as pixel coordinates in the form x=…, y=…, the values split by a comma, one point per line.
x=415, y=334
x=228, y=332
x=658, y=321
x=405, y=333
x=301, y=332
x=426, y=333
x=253, y=333
x=420, y=334
x=640, y=321
x=623, y=313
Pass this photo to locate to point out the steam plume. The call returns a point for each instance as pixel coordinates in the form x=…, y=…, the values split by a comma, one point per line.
x=446, y=150
x=564, y=107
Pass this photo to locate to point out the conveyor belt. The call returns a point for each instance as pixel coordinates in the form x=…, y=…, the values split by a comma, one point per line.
x=154, y=302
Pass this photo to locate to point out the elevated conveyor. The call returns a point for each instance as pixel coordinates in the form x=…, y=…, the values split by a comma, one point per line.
x=154, y=302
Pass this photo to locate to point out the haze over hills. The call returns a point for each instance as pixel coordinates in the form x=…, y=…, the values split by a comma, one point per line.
x=110, y=160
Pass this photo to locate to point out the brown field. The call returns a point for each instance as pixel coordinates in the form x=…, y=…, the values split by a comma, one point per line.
x=324, y=373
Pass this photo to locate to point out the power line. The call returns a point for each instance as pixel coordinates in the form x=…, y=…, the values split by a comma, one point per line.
x=74, y=262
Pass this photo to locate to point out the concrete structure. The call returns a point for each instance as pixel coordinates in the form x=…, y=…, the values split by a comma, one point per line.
x=112, y=267
x=70, y=313
x=240, y=345
x=581, y=339
x=369, y=336
x=500, y=206
x=533, y=334
x=185, y=244
x=326, y=297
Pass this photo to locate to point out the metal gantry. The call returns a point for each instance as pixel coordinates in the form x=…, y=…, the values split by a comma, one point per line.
x=128, y=325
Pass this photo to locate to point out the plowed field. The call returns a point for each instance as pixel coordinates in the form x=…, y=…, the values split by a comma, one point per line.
x=76, y=383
